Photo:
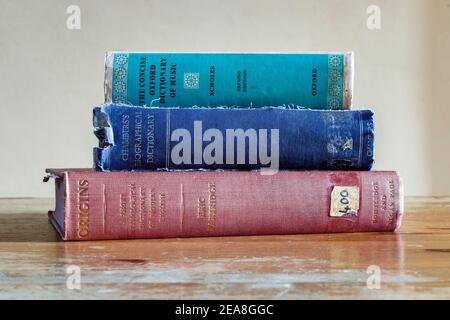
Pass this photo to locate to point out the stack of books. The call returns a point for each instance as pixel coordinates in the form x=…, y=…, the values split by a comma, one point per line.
x=221, y=144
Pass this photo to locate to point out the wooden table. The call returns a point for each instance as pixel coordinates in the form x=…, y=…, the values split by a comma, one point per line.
x=414, y=263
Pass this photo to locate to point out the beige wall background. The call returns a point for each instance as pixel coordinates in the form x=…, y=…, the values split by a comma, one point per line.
x=50, y=76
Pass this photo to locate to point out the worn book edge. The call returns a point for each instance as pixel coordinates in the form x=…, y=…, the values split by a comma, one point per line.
x=401, y=202
x=104, y=132
x=58, y=217
x=349, y=72
x=55, y=224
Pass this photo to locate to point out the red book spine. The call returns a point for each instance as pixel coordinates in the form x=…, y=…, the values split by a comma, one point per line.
x=126, y=205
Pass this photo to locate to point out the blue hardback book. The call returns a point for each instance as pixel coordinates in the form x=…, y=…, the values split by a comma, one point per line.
x=314, y=80
x=137, y=138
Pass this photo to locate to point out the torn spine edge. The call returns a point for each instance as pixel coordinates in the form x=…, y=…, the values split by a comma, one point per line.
x=103, y=131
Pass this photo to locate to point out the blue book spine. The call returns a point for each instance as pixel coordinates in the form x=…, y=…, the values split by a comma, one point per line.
x=137, y=138
x=248, y=80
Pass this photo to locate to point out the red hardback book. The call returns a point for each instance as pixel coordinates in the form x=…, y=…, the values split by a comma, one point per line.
x=127, y=205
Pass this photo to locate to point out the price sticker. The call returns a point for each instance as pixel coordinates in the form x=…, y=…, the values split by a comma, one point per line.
x=344, y=201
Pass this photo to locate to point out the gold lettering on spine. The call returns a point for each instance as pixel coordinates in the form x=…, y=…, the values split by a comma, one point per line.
x=375, y=201
x=83, y=208
x=133, y=208
x=162, y=207
x=142, y=208
x=212, y=207
x=152, y=218
x=392, y=200
x=201, y=208
x=384, y=202
x=123, y=208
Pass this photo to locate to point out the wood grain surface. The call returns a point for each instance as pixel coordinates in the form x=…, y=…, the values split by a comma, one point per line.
x=413, y=263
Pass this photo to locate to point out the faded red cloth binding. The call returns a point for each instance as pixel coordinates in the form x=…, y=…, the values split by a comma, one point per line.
x=127, y=205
